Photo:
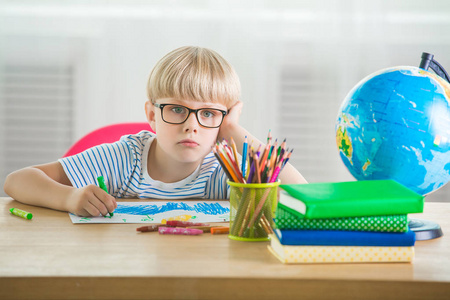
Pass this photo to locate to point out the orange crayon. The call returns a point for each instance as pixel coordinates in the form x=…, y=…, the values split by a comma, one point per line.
x=220, y=230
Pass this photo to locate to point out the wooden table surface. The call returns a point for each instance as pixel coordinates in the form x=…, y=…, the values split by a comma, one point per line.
x=48, y=257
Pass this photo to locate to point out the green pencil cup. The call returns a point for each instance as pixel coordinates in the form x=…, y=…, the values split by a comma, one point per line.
x=252, y=207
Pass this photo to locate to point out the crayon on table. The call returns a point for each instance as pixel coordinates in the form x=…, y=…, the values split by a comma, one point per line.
x=206, y=229
x=21, y=213
x=220, y=230
x=181, y=231
x=102, y=185
x=176, y=223
x=149, y=228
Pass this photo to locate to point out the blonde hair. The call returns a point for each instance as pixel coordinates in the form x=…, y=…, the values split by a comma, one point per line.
x=194, y=73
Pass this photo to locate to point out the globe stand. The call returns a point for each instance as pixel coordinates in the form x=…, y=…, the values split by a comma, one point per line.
x=425, y=230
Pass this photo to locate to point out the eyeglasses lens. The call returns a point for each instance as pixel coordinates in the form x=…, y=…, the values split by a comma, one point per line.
x=206, y=117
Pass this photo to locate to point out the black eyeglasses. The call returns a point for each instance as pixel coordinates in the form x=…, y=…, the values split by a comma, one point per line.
x=178, y=114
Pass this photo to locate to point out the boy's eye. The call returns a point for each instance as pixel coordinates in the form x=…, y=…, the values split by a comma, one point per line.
x=178, y=109
x=208, y=113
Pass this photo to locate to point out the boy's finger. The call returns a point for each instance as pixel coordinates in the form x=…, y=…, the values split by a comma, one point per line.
x=96, y=201
x=108, y=200
x=83, y=213
x=92, y=209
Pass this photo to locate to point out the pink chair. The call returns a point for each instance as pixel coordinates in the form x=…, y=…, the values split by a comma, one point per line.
x=106, y=134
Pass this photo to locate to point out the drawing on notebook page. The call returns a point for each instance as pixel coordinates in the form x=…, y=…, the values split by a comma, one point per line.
x=162, y=211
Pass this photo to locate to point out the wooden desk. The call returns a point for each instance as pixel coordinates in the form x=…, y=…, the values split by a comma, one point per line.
x=51, y=258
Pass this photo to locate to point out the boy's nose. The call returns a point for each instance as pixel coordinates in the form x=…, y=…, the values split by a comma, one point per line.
x=191, y=124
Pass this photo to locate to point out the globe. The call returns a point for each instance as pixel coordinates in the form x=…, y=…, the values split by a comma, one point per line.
x=395, y=124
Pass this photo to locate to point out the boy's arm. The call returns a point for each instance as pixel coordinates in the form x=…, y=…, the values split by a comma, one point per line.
x=231, y=128
x=48, y=186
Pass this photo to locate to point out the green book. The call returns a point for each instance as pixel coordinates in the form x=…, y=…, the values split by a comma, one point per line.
x=285, y=220
x=349, y=199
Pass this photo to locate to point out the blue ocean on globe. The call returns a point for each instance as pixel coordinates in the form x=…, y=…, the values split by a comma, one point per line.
x=395, y=124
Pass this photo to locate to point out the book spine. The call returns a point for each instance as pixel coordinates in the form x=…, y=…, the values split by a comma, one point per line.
x=353, y=199
x=364, y=208
x=323, y=254
x=345, y=238
x=285, y=220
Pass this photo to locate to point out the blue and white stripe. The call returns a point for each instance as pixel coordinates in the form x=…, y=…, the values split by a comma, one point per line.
x=121, y=164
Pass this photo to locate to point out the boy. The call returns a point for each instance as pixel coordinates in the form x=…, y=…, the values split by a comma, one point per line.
x=193, y=102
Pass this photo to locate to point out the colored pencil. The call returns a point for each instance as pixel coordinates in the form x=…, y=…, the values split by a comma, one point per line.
x=257, y=169
x=229, y=160
x=233, y=147
x=222, y=164
x=281, y=149
x=227, y=165
x=269, y=137
x=262, y=165
x=264, y=157
x=244, y=156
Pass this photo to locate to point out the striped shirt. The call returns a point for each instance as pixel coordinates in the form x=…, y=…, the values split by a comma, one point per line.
x=123, y=164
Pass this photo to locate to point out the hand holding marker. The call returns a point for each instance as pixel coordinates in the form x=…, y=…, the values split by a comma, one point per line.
x=101, y=183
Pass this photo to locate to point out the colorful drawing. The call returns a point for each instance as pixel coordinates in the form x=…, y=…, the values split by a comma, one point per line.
x=178, y=218
x=162, y=211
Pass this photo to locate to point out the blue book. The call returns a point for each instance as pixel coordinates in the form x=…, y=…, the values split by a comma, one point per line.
x=345, y=238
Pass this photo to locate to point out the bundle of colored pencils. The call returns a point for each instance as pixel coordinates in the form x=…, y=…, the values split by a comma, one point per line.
x=251, y=213
x=256, y=167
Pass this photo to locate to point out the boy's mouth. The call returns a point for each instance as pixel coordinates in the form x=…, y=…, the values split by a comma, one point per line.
x=188, y=143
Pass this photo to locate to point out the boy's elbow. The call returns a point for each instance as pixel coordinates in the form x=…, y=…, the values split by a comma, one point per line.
x=11, y=181
x=7, y=184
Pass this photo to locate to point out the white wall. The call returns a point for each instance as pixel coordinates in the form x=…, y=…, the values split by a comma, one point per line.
x=328, y=46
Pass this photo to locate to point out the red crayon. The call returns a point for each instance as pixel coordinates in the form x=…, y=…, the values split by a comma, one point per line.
x=183, y=231
x=148, y=228
x=176, y=223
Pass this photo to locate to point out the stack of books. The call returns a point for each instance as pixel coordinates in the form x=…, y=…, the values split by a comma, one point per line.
x=345, y=222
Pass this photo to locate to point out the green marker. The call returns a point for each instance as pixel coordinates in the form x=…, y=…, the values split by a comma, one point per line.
x=21, y=213
x=101, y=183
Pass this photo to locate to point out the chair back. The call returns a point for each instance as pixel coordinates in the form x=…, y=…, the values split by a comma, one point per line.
x=106, y=134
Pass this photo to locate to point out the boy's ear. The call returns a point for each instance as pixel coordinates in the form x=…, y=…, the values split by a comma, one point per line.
x=150, y=113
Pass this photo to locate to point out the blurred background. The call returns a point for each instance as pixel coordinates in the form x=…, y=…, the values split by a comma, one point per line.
x=69, y=67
